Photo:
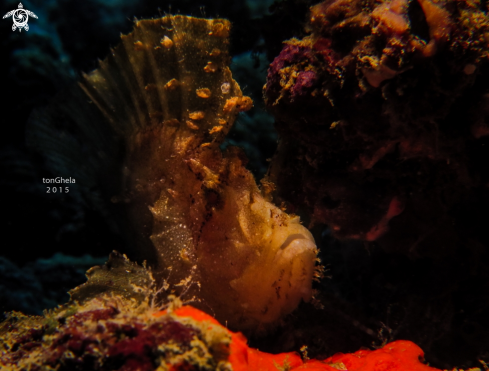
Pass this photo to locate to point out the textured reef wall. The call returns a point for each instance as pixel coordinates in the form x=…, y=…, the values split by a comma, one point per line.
x=382, y=113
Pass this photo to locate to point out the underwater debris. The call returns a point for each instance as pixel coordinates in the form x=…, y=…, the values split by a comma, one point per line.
x=379, y=110
x=114, y=327
x=144, y=131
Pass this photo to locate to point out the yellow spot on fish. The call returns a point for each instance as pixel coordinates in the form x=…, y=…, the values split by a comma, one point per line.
x=230, y=105
x=203, y=93
x=216, y=129
x=172, y=84
x=166, y=42
x=211, y=67
x=219, y=30
x=138, y=45
x=244, y=104
x=191, y=125
x=197, y=115
x=239, y=103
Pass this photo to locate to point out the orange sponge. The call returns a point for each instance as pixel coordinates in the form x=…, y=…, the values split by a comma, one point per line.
x=401, y=355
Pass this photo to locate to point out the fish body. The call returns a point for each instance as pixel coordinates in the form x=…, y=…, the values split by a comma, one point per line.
x=145, y=129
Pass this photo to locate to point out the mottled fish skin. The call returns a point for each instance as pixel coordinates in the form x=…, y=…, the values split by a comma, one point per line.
x=169, y=98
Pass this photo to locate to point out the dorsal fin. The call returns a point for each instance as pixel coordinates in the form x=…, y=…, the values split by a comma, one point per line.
x=170, y=75
x=169, y=71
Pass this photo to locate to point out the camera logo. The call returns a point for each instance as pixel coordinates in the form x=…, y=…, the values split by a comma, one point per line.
x=20, y=17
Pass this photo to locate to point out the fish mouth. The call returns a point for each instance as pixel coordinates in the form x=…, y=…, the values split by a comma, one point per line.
x=297, y=255
x=291, y=238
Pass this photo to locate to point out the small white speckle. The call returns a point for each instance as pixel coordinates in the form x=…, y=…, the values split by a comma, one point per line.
x=225, y=87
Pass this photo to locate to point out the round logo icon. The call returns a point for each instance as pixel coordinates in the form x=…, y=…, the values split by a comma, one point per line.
x=20, y=17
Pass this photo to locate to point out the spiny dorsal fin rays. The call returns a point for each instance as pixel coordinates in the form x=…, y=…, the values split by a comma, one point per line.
x=154, y=90
x=139, y=48
x=116, y=86
x=112, y=91
x=192, y=44
x=119, y=70
x=116, y=104
x=119, y=67
x=156, y=75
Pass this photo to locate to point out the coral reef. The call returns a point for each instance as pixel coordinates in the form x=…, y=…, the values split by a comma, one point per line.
x=111, y=323
x=381, y=112
x=146, y=128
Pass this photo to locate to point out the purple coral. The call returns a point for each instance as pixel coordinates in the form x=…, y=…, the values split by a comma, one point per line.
x=291, y=56
x=303, y=84
x=116, y=337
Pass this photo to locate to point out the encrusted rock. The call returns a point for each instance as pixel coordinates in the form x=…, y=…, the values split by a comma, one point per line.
x=382, y=113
